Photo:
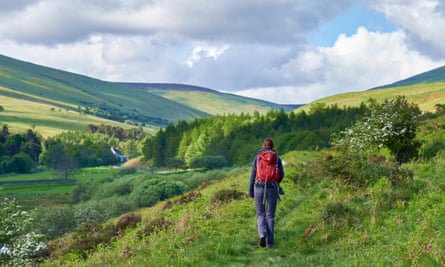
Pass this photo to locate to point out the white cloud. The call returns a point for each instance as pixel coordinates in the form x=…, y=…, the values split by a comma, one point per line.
x=358, y=62
x=423, y=21
x=254, y=47
x=206, y=51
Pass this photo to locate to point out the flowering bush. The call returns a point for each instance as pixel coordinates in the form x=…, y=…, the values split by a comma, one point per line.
x=391, y=124
x=18, y=247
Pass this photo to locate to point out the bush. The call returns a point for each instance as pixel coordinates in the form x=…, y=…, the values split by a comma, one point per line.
x=54, y=221
x=154, y=225
x=209, y=162
x=227, y=195
x=20, y=163
x=337, y=214
x=20, y=247
x=151, y=191
x=360, y=172
x=101, y=210
x=430, y=149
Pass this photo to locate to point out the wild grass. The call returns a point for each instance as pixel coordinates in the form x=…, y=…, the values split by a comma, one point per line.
x=32, y=193
x=425, y=95
x=320, y=221
x=216, y=103
x=46, y=119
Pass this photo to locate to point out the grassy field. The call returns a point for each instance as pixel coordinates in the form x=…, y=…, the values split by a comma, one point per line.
x=216, y=229
x=48, y=120
x=31, y=194
x=215, y=104
x=425, y=95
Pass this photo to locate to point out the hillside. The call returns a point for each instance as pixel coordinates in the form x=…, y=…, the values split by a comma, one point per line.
x=23, y=83
x=35, y=83
x=426, y=90
x=436, y=75
x=321, y=221
x=205, y=99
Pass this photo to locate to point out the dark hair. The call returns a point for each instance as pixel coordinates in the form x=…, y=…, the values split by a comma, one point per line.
x=268, y=143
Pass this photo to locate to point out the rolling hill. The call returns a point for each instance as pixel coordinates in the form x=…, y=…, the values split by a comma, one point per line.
x=30, y=94
x=205, y=99
x=426, y=90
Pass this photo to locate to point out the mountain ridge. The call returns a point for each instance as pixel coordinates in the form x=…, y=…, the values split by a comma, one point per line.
x=58, y=89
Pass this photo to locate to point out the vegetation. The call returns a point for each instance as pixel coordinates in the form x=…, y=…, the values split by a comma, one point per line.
x=322, y=220
x=235, y=138
x=374, y=206
x=19, y=245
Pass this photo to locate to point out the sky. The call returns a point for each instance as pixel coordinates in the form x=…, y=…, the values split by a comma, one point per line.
x=283, y=51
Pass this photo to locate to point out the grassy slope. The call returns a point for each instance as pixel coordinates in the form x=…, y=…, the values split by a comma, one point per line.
x=36, y=83
x=47, y=119
x=425, y=95
x=202, y=233
x=205, y=99
x=217, y=103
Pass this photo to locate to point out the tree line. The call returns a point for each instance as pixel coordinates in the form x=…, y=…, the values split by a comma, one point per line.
x=23, y=152
x=236, y=138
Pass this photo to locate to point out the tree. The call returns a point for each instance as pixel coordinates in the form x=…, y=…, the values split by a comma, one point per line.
x=56, y=156
x=18, y=246
x=391, y=124
x=175, y=163
x=20, y=163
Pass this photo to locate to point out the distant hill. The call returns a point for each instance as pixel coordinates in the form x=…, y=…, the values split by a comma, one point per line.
x=426, y=90
x=88, y=100
x=205, y=99
x=433, y=76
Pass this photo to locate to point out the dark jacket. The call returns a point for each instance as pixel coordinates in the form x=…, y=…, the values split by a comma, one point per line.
x=253, y=171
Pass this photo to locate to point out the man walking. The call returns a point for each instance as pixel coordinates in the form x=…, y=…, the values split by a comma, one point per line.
x=266, y=174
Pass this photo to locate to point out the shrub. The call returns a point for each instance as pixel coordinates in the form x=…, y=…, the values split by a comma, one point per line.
x=130, y=220
x=151, y=191
x=89, y=236
x=54, y=221
x=209, y=162
x=337, y=214
x=20, y=247
x=360, y=172
x=154, y=225
x=20, y=163
x=101, y=210
x=430, y=149
x=391, y=124
x=227, y=195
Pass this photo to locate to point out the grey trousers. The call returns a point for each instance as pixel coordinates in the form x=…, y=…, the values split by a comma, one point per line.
x=265, y=212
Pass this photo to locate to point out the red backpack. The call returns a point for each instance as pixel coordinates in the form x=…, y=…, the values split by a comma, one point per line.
x=267, y=167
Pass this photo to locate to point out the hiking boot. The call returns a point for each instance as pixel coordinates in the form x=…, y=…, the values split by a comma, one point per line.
x=263, y=242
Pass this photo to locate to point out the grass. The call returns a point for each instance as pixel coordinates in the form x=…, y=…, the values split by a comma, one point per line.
x=33, y=194
x=378, y=230
x=48, y=120
x=216, y=104
x=425, y=95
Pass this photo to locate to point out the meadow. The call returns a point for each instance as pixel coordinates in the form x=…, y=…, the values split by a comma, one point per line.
x=425, y=95
x=321, y=221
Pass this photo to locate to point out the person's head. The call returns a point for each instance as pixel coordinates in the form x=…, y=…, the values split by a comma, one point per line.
x=268, y=143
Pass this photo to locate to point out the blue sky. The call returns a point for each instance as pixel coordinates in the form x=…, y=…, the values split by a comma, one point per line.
x=289, y=51
x=353, y=17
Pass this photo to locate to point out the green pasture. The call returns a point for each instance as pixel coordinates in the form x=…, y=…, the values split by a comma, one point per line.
x=215, y=103
x=379, y=228
x=33, y=194
x=46, y=119
x=425, y=95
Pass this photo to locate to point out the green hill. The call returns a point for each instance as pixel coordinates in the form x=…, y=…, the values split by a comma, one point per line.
x=207, y=100
x=426, y=90
x=26, y=81
x=23, y=83
x=321, y=221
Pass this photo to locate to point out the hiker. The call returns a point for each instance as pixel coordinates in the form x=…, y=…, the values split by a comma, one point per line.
x=264, y=189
